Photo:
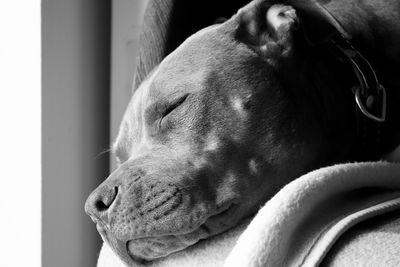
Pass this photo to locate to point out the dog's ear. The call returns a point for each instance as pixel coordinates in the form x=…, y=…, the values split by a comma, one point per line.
x=268, y=30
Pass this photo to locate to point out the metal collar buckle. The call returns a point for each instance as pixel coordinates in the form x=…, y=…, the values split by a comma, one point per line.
x=370, y=94
x=382, y=95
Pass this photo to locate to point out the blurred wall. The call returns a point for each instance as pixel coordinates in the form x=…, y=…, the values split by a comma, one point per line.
x=75, y=129
x=126, y=21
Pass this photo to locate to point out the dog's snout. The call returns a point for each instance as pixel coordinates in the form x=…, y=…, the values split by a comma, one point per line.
x=99, y=201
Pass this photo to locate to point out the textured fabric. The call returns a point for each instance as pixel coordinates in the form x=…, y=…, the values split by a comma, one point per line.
x=287, y=231
x=375, y=239
x=374, y=242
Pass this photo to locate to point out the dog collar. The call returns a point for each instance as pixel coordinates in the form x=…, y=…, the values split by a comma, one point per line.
x=369, y=93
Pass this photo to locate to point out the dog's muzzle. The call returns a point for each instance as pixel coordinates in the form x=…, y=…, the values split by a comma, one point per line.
x=148, y=218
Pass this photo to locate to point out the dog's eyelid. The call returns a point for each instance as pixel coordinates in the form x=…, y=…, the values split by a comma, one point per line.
x=174, y=104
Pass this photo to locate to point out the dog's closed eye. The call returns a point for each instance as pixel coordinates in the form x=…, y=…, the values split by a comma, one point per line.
x=173, y=105
x=169, y=108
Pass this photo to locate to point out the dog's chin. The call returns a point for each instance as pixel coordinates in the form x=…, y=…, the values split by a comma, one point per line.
x=152, y=248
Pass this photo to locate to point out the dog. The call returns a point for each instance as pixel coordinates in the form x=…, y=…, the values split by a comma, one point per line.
x=242, y=108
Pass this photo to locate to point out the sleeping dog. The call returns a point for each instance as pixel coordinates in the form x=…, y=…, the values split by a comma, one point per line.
x=242, y=108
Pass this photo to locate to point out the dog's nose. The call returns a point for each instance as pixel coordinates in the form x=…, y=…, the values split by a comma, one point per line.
x=99, y=201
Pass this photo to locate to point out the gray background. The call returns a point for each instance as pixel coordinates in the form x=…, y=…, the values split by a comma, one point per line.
x=88, y=61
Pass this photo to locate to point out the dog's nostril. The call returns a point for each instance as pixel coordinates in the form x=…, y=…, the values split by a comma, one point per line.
x=106, y=200
x=100, y=205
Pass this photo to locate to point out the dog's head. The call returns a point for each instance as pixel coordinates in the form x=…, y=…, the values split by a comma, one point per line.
x=222, y=124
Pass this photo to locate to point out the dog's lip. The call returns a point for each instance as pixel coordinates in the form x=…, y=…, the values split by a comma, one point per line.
x=101, y=228
x=202, y=227
x=122, y=247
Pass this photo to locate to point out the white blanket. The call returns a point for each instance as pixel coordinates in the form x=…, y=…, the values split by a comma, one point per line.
x=299, y=225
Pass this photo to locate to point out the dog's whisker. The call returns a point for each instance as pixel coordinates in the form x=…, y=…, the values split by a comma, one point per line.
x=105, y=151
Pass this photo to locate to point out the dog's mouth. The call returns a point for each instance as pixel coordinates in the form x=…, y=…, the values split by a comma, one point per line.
x=145, y=249
x=152, y=248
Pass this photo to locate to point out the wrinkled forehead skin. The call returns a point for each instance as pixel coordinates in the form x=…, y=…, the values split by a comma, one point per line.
x=214, y=159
